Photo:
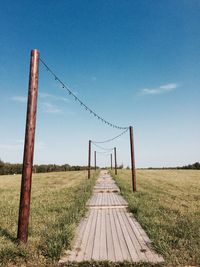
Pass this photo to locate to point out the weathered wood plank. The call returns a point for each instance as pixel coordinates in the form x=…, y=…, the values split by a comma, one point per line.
x=109, y=232
x=130, y=246
x=109, y=237
x=117, y=247
x=106, y=199
x=137, y=246
x=81, y=252
x=122, y=242
x=103, y=243
x=96, y=247
x=90, y=242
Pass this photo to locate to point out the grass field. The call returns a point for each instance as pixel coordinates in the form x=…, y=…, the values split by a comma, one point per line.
x=167, y=205
x=57, y=204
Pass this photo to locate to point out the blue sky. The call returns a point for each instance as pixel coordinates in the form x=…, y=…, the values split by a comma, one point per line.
x=133, y=62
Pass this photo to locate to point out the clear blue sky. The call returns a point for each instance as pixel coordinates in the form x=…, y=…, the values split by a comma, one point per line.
x=134, y=62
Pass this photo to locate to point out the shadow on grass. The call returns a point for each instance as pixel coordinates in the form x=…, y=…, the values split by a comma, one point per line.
x=6, y=234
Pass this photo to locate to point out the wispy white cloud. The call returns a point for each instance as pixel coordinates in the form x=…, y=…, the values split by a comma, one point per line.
x=50, y=108
x=169, y=86
x=159, y=90
x=11, y=146
x=20, y=99
x=19, y=145
x=53, y=97
x=43, y=95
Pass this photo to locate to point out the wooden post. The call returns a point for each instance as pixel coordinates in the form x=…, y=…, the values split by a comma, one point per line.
x=111, y=161
x=24, y=208
x=89, y=159
x=133, y=172
x=115, y=152
x=95, y=160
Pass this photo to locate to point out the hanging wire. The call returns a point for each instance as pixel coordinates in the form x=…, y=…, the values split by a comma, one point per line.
x=103, y=148
x=78, y=100
x=111, y=139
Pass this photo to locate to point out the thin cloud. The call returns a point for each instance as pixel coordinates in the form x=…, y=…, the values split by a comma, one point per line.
x=11, y=146
x=169, y=86
x=160, y=90
x=50, y=108
x=53, y=97
x=19, y=99
x=19, y=145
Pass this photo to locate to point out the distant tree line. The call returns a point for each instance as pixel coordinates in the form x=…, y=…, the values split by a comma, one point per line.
x=16, y=168
x=194, y=166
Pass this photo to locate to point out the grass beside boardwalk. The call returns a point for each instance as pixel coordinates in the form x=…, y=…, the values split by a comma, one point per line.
x=167, y=205
x=57, y=204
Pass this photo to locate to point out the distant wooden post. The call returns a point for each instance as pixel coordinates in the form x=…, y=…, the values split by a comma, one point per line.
x=24, y=209
x=133, y=172
x=115, y=152
x=111, y=161
x=95, y=160
x=89, y=159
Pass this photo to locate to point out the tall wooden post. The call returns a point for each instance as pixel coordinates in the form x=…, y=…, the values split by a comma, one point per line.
x=133, y=172
x=111, y=161
x=115, y=152
x=24, y=208
x=89, y=159
x=95, y=160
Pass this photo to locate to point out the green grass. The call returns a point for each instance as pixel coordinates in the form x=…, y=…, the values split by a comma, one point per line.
x=167, y=205
x=57, y=204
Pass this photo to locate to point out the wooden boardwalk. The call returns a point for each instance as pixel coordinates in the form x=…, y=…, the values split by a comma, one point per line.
x=109, y=232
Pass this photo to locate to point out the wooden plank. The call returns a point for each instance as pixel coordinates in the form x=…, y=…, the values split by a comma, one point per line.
x=106, y=207
x=136, y=244
x=131, y=248
x=151, y=256
x=109, y=232
x=109, y=237
x=96, y=246
x=103, y=244
x=116, y=199
x=106, y=199
x=90, y=242
x=112, y=199
x=81, y=252
x=109, y=203
x=99, y=199
x=123, y=245
x=117, y=248
x=140, y=229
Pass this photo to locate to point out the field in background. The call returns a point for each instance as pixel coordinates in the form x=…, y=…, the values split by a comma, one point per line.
x=57, y=204
x=167, y=205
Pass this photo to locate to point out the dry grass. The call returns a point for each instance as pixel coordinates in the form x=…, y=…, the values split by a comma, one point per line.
x=57, y=204
x=167, y=204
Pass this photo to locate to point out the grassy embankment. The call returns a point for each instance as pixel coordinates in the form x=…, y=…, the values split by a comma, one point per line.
x=167, y=205
x=57, y=204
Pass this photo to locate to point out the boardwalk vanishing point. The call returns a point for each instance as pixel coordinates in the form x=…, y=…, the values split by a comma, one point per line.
x=109, y=232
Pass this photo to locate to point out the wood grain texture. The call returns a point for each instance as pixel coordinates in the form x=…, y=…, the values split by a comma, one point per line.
x=109, y=231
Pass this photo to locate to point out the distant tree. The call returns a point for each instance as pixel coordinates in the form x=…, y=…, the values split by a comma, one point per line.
x=121, y=166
